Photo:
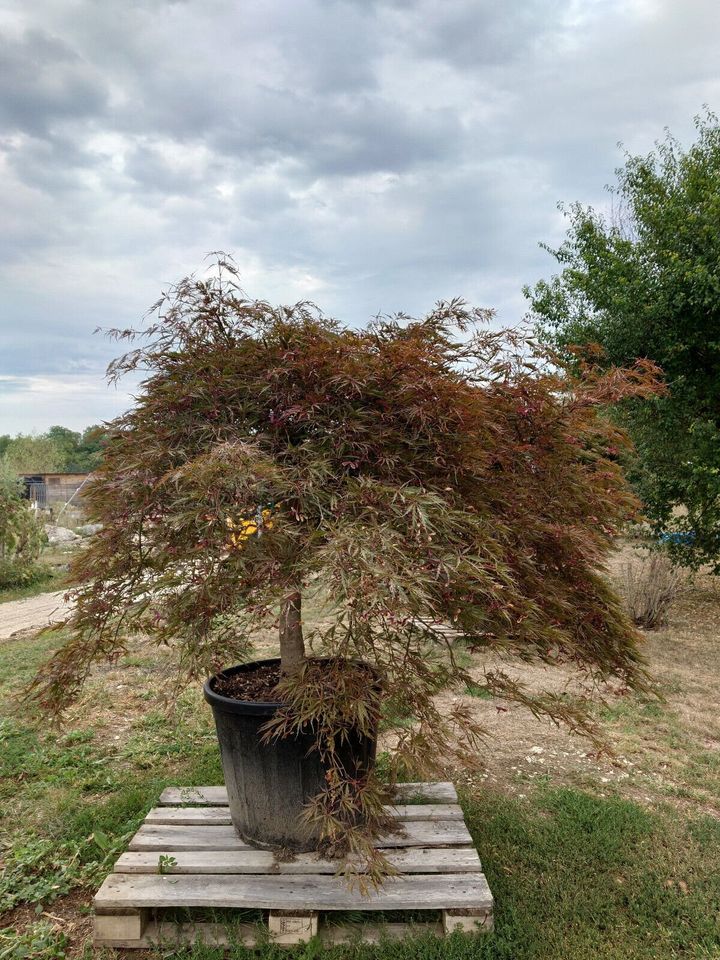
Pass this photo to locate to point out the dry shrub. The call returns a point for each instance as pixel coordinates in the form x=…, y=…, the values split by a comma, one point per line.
x=650, y=585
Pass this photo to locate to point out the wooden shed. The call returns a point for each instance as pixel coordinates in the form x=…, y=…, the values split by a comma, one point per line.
x=49, y=489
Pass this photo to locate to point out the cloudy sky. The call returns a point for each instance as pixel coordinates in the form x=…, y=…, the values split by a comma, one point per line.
x=371, y=155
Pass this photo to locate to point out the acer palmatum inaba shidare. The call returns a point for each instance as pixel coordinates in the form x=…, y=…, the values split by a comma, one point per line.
x=411, y=474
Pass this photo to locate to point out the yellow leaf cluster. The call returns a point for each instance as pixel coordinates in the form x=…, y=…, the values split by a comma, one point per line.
x=245, y=527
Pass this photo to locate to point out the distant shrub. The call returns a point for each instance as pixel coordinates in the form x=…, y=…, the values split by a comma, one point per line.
x=21, y=540
x=14, y=575
x=641, y=532
x=650, y=585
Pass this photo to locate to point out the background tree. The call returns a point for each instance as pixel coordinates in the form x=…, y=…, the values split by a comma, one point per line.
x=646, y=283
x=59, y=450
x=67, y=442
x=398, y=477
x=89, y=449
x=21, y=535
x=34, y=454
x=81, y=452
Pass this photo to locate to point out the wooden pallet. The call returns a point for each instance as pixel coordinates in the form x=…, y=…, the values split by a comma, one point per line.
x=206, y=865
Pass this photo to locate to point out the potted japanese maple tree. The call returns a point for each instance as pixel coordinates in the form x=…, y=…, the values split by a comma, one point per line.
x=397, y=478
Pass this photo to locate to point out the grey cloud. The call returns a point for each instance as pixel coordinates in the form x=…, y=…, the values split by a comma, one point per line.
x=149, y=168
x=43, y=81
x=339, y=135
x=477, y=34
x=51, y=163
x=372, y=154
x=331, y=46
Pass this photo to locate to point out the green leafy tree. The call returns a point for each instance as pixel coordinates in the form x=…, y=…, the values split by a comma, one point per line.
x=34, y=454
x=89, y=450
x=399, y=476
x=81, y=452
x=21, y=536
x=645, y=282
x=67, y=442
x=60, y=449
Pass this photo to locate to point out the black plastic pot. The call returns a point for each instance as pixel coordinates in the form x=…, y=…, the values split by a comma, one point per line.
x=268, y=784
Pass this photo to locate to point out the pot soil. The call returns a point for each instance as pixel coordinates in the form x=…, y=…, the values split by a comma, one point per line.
x=269, y=784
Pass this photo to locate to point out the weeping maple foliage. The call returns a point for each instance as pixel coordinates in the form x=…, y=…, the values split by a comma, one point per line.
x=407, y=475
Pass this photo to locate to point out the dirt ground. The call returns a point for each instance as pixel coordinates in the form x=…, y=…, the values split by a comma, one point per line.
x=664, y=748
x=32, y=613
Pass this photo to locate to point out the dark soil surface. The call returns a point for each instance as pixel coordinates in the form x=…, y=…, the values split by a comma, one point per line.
x=255, y=686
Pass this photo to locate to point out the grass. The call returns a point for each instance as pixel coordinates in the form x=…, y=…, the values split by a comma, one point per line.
x=575, y=874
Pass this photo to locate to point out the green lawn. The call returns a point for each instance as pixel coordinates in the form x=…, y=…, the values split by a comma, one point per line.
x=575, y=874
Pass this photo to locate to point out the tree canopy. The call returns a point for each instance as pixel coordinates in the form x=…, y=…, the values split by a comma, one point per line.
x=21, y=536
x=645, y=283
x=413, y=473
x=58, y=450
x=33, y=454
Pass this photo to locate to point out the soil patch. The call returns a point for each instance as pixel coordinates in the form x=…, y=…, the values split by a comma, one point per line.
x=70, y=914
x=252, y=686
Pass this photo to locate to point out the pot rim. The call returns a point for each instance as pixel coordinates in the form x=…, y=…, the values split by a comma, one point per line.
x=230, y=704
x=257, y=707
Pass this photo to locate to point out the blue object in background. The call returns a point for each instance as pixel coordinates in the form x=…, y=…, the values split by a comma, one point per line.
x=686, y=537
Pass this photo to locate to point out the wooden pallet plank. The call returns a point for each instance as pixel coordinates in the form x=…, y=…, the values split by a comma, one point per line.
x=414, y=833
x=331, y=933
x=214, y=796
x=170, y=934
x=425, y=811
x=189, y=816
x=217, y=796
x=163, y=838
x=220, y=816
x=409, y=860
x=220, y=935
x=419, y=892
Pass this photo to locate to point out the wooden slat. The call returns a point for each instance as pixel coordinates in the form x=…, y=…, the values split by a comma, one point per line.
x=167, y=933
x=214, y=796
x=189, y=816
x=419, y=892
x=332, y=933
x=414, y=833
x=445, y=629
x=411, y=860
x=428, y=833
x=217, y=796
x=163, y=838
x=218, y=934
x=425, y=811
x=220, y=816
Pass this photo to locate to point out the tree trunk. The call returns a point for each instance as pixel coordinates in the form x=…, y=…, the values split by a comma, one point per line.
x=292, y=645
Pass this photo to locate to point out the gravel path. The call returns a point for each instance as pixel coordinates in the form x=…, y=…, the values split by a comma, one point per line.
x=34, y=612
